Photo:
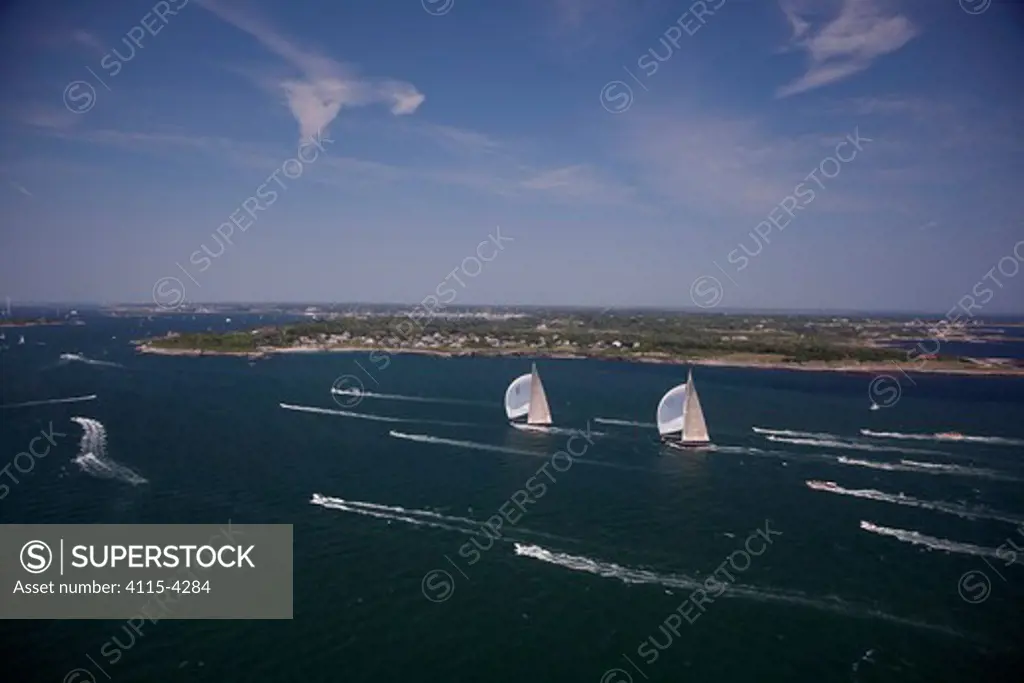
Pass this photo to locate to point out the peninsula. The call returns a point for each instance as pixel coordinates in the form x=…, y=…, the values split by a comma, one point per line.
x=781, y=341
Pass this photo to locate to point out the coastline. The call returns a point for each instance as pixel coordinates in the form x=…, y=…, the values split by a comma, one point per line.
x=738, y=361
x=45, y=323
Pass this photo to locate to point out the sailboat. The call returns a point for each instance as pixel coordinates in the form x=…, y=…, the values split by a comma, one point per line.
x=525, y=396
x=680, y=417
x=21, y=340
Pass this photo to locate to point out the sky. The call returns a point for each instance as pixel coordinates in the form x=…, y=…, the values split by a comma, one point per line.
x=784, y=154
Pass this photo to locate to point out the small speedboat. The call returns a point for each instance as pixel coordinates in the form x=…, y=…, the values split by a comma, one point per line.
x=950, y=436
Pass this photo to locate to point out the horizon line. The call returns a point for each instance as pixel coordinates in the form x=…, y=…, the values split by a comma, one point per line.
x=588, y=307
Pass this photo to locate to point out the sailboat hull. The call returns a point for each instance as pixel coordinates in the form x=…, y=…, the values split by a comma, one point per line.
x=530, y=428
x=691, y=446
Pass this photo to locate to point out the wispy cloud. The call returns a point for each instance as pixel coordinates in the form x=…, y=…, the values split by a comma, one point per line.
x=578, y=25
x=571, y=14
x=326, y=86
x=849, y=43
x=43, y=117
x=720, y=164
x=88, y=40
x=21, y=188
x=476, y=162
x=577, y=182
x=173, y=142
x=460, y=139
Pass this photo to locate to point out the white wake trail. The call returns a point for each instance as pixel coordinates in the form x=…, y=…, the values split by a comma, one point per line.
x=79, y=358
x=339, y=504
x=630, y=575
x=795, y=433
x=849, y=445
x=550, y=429
x=400, y=397
x=92, y=456
x=367, y=416
x=473, y=445
x=927, y=468
x=624, y=423
x=901, y=466
x=395, y=509
x=49, y=401
x=463, y=525
x=995, y=440
x=902, y=499
x=931, y=542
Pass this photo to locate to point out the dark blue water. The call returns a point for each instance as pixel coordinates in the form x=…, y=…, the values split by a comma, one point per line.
x=605, y=552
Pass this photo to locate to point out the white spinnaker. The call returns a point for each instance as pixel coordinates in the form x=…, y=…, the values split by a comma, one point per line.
x=670, y=410
x=517, y=396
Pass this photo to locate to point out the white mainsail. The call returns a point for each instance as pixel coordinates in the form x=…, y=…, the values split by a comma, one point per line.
x=679, y=412
x=517, y=396
x=695, y=430
x=670, y=410
x=539, y=413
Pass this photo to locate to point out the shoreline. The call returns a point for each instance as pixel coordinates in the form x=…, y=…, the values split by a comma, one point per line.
x=875, y=367
x=45, y=323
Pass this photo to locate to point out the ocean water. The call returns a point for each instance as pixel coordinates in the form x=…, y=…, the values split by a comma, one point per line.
x=595, y=579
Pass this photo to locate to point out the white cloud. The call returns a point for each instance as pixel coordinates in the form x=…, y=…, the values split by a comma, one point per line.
x=21, y=188
x=847, y=44
x=88, y=40
x=478, y=162
x=724, y=166
x=44, y=117
x=326, y=86
x=578, y=183
x=467, y=139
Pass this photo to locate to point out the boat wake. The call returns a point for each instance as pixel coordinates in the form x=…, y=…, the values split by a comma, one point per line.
x=399, y=397
x=995, y=440
x=754, y=450
x=79, y=358
x=624, y=423
x=473, y=445
x=917, y=538
x=549, y=429
x=794, y=433
x=843, y=444
x=630, y=575
x=428, y=518
x=50, y=401
x=902, y=499
x=901, y=466
x=367, y=416
x=92, y=454
x=927, y=467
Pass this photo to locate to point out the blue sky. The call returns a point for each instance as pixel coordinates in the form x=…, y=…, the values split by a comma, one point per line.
x=450, y=118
